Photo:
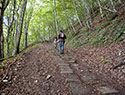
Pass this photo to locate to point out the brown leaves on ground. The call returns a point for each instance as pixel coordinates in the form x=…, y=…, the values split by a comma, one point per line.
x=102, y=59
x=36, y=72
x=30, y=72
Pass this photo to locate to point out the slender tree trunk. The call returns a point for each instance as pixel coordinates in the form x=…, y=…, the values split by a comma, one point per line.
x=100, y=8
x=68, y=16
x=19, y=31
x=113, y=6
x=54, y=20
x=1, y=35
x=56, y=17
x=88, y=15
x=25, y=36
x=27, y=21
x=119, y=1
x=3, y=6
x=54, y=26
x=77, y=13
x=9, y=30
x=1, y=29
x=7, y=44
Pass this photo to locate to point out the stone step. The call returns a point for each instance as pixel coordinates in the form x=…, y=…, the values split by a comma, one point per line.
x=107, y=90
x=78, y=89
x=67, y=72
x=89, y=77
x=86, y=78
x=65, y=68
x=73, y=61
x=72, y=78
x=63, y=64
x=68, y=80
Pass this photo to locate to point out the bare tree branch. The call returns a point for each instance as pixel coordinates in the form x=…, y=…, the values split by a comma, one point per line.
x=107, y=9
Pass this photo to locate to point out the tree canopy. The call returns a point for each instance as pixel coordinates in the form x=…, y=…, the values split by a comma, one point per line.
x=26, y=21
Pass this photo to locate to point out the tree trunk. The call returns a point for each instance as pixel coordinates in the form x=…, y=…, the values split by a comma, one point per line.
x=68, y=16
x=113, y=6
x=77, y=13
x=4, y=4
x=7, y=44
x=119, y=1
x=56, y=17
x=54, y=23
x=1, y=33
x=27, y=21
x=25, y=35
x=19, y=28
x=88, y=15
x=9, y=29
x=1, y=30
x=100, y=8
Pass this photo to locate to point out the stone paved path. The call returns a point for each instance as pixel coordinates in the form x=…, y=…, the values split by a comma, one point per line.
x=72, y=79
x=85, y=82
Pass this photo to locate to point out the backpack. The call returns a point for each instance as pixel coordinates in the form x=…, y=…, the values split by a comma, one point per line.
x=62, y=35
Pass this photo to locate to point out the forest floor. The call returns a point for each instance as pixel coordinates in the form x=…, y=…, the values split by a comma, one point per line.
x=43, y=71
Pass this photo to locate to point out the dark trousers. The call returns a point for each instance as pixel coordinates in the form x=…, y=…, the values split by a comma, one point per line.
x=61, y=46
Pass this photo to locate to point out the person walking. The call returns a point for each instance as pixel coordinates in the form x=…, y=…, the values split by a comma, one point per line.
x=61, y=40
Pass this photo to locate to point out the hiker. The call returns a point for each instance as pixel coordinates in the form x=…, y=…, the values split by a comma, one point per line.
x=61, y=40
x=55, y=42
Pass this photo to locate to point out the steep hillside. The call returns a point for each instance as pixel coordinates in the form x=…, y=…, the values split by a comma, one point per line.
x=105, y=30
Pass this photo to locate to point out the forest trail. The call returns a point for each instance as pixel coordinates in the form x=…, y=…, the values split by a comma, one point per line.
x=43, y=71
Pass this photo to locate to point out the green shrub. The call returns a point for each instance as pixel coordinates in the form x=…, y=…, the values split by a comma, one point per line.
x=117, y=20
x=76, y=41
x=98, y=28
x=119, y=31
x=104, y=60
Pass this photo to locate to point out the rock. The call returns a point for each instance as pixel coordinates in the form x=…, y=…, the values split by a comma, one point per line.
x=73, y=61
x=96, y=83
x=75, y=65
x=77, y=89
x=63, y=64
x=48, y=77
x=94, y=77
x=7, y=77
x=86, y=78
x=67, y=72
x=120, y=53
x=123, y=70
x=18, y=65
x=15, y=69
x=3, y=94
x=81, y=70
x=71, y=80
x=5, y=81
x=65, y=68
x=36, y=81
x=106, y=90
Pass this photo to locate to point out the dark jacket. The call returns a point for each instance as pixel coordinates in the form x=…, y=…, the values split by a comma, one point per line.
x=62, y=38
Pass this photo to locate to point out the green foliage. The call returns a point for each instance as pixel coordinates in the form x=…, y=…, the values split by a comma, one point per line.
x=42, y=27
x=104, y=60
x=75, y=38
x=98, y=28
x=2, y=65
x=119, y=31
x=34, y=46
x=117, y=20
x=75, y=42
x=104, y=32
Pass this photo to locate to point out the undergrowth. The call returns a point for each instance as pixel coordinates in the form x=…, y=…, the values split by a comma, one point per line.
x=4, y=63
x=111, y=30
